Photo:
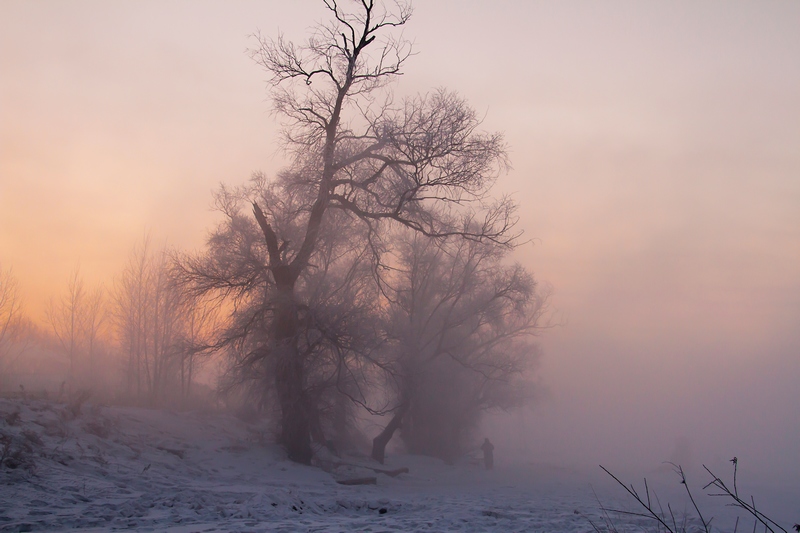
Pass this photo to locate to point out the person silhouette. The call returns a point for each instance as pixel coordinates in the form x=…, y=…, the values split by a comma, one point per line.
x=488, y=453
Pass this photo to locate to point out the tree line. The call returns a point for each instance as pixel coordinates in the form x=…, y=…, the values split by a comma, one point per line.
x=136, y=341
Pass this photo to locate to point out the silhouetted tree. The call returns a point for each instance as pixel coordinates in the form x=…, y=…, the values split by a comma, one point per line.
x=66, y=317
x=10, y=320
x=77, y=320
x=460, y=322
x=422, y=164
x=334, y=317
x=151, y=319
x=93, y=324
x=130, y=312
x=200, y=317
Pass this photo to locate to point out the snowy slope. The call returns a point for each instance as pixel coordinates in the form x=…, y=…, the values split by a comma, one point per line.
x=102, y=468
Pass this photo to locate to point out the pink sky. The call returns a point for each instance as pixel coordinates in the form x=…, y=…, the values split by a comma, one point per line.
x=656, y=162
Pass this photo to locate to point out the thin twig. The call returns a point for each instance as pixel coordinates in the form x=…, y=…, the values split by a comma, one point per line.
x=680, y=472
x=632, y=491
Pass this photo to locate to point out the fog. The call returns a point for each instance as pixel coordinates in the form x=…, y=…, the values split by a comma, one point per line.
x=654, y=153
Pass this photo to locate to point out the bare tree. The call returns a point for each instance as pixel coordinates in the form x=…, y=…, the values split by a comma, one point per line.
x=130, y=314
x=166, y=307
x=93, y=323
x=201, y=318
x=151, y=319
x=460, y=322
x=422, y=164
x=10, y=318
x=66, y=317
x=77, y=321
x=335, y=311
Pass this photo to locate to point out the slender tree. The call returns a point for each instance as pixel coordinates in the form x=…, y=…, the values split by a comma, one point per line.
x=201, y=318
x=93, y=323
x=10, y=319
x=152, y=319
x=67, y=320
x=130, y=314
x=77, y=321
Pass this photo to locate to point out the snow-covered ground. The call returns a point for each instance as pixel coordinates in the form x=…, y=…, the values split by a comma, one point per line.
x=104, y=468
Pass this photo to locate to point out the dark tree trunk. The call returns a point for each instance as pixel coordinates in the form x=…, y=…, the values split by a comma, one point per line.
x=341, y=429
x=295, y=434
x=379, y=443
x=295, y=431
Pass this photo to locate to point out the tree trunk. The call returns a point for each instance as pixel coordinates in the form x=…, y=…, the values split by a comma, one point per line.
x=379, y=443
x=341, y=429
x=295, y=428
x=295, y=423
x=189, y=376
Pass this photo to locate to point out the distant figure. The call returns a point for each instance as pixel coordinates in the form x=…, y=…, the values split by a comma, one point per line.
x=488, y=453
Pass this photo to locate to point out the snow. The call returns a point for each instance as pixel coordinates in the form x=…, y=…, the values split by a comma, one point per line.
x=97, y=468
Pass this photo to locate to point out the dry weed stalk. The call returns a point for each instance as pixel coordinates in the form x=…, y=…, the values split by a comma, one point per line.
x=665, y=520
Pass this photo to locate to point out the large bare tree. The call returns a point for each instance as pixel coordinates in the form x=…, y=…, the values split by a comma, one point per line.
x=336, y=302
x=422, y=163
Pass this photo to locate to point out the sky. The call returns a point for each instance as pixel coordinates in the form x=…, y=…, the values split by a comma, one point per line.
x=655, y=162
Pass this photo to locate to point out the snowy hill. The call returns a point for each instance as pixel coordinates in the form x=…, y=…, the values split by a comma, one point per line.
x=101, y=468
x=67, y=467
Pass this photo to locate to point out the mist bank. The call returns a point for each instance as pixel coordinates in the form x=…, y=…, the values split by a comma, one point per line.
x=632, y=407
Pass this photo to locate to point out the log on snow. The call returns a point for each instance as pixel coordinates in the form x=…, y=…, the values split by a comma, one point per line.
x=358, y=481
x=391, y=473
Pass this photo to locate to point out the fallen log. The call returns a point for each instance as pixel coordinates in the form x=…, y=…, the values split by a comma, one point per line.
x=329, y=466
x=391, y=473
x=358, y=481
